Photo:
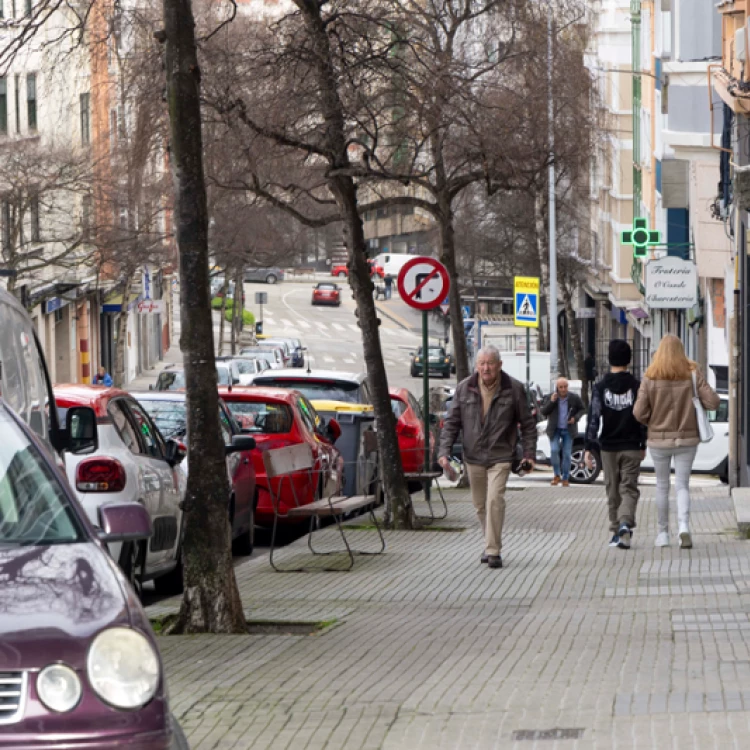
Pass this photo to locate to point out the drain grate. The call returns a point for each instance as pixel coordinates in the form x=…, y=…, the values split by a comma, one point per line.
x=547, y=734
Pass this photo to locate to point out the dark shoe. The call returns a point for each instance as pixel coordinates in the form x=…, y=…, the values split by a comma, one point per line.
x=495, y=561
x=484, y=558
x=614, y=541
x=625, y=533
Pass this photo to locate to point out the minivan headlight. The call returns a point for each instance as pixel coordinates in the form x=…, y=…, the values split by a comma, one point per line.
x=123, y=668
x=59, y=688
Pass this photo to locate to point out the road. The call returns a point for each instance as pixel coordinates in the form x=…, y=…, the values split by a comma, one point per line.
x=331, y=334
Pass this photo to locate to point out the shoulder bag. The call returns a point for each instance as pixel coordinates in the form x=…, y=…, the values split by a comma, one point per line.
x=705, y=430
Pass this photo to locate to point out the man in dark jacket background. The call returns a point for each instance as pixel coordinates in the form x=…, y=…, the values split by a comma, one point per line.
x=622, y=442
x=489, y=406
x=563, y=409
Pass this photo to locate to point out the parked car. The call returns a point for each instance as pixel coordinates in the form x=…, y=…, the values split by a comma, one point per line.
x=321, y=385
x=341, y=270
x=438, y=362
x=169, y=411
x=295, y=348
x=275, y=418
x=287, y=350
x=172, y=378
x=274, y=355
x=268, y=275
x=248, y=367
x=80, y=665
x=410, y=430
x=326, y=293
x=133, y=464
x=711, y=458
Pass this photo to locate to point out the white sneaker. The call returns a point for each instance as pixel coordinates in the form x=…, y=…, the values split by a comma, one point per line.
x=662, y=539
x=686, y=541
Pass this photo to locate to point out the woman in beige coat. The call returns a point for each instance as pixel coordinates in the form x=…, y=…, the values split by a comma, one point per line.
x=665, y=405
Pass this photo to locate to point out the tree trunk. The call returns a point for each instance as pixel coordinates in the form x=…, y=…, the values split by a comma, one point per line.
x=211, y=601
x=575, y=340
x=344, y=190
x=540, y=235
x=239, y=305
x=122, y=334
x=448, y=259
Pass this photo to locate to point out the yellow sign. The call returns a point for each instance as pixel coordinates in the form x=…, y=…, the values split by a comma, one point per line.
x=526, y=301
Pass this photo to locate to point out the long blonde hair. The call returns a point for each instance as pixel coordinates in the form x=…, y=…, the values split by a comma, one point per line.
x=670, y=362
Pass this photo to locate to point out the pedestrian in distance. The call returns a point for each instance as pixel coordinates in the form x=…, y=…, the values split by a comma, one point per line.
x=621, y=442
x=665, y=403
x=102, y=377
x=488, y=407
x=388, y=281
x=563, y=409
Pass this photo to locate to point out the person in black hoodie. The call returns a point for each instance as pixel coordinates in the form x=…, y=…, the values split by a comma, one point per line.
x=622, y=442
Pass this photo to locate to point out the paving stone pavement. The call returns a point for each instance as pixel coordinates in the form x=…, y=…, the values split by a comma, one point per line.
x=571, y=645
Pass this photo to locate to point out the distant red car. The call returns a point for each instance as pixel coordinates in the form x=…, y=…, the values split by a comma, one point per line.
x=409, y=429
x=326, y=293
x=277, y=417
x=343, y=272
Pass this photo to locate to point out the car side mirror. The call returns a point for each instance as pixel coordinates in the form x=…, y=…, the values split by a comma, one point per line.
x=176, y=452
x=333, y=430
x=124, y=522
x=239, y=444
x=81, y=434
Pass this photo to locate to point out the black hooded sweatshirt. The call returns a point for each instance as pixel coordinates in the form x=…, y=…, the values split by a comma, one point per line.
x=612, y=402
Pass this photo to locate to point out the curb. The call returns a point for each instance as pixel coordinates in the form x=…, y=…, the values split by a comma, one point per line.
x=397, y=319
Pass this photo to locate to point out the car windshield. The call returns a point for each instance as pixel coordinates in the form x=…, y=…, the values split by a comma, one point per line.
x=317, y=390
x=34, y=509
x=398, y=406
x=262, y=417
x=435, y=351
x=170, y=380
x=245, y=366
x=224, y=376
x=169, y=416
x=327, y=287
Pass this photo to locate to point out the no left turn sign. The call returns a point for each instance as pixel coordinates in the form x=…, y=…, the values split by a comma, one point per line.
x=423, y=283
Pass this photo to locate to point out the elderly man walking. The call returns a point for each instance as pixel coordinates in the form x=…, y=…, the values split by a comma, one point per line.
x=563, y=410
x=489, y=406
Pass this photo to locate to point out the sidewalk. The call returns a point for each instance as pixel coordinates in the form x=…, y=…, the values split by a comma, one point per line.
x=646, y=648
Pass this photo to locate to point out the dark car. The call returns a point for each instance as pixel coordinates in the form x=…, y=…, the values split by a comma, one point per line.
x=268, y=275
x=169, y=412
x=438, y=362
x=79, y=666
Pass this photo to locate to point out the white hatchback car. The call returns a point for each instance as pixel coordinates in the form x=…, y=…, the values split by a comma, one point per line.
x=133, y=463
x=712, y=457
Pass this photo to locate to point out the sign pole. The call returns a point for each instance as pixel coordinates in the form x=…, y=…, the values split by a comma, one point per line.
x=528, y=360
x=426, y=401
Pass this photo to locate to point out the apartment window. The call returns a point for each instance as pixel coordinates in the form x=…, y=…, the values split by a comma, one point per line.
x=5, y=219
x=3, y=106
x=85, y=120
x=31, y=100
x=17, y=101
x=382, y=212
x=36, y=232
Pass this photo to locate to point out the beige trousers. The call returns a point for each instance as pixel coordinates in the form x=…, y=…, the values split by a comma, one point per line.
x=488, y=495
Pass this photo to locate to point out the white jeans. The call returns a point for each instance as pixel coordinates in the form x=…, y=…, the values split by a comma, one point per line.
x=683, y=464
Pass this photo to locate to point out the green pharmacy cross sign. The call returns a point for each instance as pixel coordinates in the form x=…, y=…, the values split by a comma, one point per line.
x=641, y=238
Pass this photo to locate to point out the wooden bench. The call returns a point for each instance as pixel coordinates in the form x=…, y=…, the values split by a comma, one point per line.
x=283, y=464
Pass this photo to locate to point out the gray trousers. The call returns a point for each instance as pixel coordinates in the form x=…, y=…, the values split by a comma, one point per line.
x=621, y=470
x=683, y=465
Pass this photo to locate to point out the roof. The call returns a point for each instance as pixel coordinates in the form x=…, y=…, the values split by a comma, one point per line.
x=252, y=393
x=95, y=396
x=295, y=373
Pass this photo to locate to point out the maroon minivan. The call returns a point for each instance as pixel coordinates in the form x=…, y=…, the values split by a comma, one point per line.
x=79, y=666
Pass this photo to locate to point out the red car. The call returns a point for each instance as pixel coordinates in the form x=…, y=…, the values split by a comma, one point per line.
x=409, y=429
x=342, y=272
x=277, y=417
x=326, y=293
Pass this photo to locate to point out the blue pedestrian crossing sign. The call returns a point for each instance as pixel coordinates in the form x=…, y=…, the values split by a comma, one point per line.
x=526, y=301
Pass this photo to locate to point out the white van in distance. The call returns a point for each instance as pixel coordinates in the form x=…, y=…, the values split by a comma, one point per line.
x=392, y=263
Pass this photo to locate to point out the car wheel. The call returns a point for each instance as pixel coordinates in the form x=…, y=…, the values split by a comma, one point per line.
x=179, y=741
x=132, y=557
x=414, y=372
x=723, y=471
x=271, y=279
x=172, y=583
x=341, y=275
x=579, y=472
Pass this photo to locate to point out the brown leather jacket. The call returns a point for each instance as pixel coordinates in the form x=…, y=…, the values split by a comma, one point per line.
x=666, y=406
x=493, y=439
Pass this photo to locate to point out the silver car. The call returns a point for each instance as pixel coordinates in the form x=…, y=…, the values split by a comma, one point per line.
x=267, y=275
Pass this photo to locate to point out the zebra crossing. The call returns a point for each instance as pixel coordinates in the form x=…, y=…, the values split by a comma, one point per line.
x=300, y=328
